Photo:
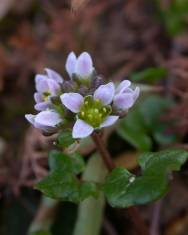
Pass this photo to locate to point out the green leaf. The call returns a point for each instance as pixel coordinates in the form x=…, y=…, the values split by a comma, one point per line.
x=72, y=163
x=160, y=135
x=123, y=190
x=116, y=185
x=143, y=190
x=163, y=161
x=145, y=122
x=65, y=139
x=152, y=109
x=174, y=17
x=66, y=187
x=59, y=185
x=62, y=183
x=133, y=130
x=149, y=74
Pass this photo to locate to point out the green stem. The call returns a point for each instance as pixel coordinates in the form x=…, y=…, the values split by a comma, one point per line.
x=90, y=212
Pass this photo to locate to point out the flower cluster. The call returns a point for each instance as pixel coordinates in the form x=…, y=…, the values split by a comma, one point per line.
x=83, y=101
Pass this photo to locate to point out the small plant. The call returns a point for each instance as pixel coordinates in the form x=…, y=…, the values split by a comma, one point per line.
x=83, y=106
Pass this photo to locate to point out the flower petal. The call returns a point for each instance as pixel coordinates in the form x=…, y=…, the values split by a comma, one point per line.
x=110, y=120
x=81, y=129
x=54, y=75
x=105, y=93
x=84, y=65
x=136, y=93
x=42, y=106
x=71, y=63
x=123, y=101
x=47, y=118
x=123, y=86
x=30, y=118
x=72, y=101
x=40, y=77
x=37, y=97
x=42, y=85
x=53, y=87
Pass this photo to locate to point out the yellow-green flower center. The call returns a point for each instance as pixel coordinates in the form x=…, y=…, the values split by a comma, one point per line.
x=46, y=95
x=93, y=111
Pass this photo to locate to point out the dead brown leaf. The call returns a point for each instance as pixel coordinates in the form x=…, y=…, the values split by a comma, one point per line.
x=76, y=5
x=127, y=160
x=178, y=227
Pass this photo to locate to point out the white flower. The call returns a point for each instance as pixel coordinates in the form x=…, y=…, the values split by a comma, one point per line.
x=93, y=112
x=46, y=86
x=125, y=97
x=47, y=120
x=81, y=66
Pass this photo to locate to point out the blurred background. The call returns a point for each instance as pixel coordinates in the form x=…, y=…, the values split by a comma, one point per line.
x=143, y=40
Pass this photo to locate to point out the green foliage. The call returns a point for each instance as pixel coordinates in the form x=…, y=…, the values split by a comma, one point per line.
x=65, y=139
x=73, y=163
x=133, y=130
x=175, y=16
x=62, y=183
x=144, y=123
x=65, y=186
x=150, y=74
x=123, y=189
x=41, y=233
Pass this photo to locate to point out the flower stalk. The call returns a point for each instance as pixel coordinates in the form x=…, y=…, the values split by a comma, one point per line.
x=103, y=151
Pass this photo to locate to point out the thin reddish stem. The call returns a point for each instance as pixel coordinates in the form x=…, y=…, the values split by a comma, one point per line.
x=103, y=151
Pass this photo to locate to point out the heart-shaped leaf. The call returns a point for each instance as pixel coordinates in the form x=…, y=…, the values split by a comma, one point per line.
x=123, y=189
